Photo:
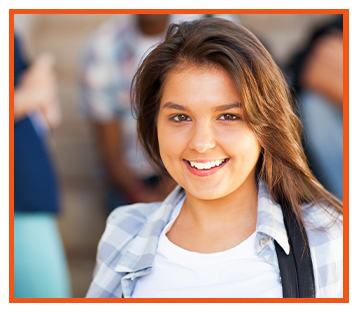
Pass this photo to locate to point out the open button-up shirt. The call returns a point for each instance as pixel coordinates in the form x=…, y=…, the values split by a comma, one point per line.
x=128, y=246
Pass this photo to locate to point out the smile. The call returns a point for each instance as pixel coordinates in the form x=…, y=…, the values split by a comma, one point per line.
x=205, y=168
x=207, y=165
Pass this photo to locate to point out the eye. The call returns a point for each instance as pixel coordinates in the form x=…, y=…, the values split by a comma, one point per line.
x=180, y=118
x=229, y=117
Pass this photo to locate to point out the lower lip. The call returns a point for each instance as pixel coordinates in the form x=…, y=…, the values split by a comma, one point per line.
x=205, y=172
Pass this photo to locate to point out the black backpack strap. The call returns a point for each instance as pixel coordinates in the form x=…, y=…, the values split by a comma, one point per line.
x=296, y=267
x=288, y=272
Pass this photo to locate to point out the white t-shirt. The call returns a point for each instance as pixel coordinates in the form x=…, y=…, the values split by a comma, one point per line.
x=234, y=273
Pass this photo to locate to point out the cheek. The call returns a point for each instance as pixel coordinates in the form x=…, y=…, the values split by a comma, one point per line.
x=252, y=146
x=168, y=140
x=244, y=144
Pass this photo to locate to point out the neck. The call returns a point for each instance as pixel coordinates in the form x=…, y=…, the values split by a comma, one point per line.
x=208, y=226
x=238, y=209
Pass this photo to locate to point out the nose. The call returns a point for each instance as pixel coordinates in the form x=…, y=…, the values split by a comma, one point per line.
x=202, y=137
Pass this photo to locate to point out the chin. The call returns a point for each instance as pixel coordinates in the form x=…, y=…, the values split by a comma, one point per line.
x=207, y=194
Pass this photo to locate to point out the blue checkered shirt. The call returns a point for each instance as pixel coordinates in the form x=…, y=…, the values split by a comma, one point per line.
x=128, y=246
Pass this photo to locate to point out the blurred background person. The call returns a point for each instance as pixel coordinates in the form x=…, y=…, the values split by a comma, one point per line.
x=40, y=269
x=110, y=59
x=316, y=75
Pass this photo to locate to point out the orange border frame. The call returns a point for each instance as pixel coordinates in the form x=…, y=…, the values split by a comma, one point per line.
x=344, y=12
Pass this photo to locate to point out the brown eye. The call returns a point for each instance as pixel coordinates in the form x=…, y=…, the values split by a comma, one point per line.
x=181, y=117
x=228, y=117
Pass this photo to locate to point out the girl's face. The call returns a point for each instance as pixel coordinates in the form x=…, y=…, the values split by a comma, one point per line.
x=204, y=141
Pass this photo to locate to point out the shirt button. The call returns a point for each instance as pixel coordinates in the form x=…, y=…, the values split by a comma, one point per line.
x=263, y=242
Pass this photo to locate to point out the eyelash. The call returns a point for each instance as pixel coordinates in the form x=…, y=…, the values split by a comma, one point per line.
x=176, y=118
x=231, y=117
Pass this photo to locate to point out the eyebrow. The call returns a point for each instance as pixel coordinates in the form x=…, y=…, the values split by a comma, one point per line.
x=174, y=106
x=227, y=106
x=216, y=109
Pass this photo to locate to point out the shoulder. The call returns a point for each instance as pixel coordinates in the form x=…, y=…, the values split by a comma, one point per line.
x=323, y=218
x=325, y=236
x=123, y=225
x=125, y=222
x=132, y=216
x=324, y=226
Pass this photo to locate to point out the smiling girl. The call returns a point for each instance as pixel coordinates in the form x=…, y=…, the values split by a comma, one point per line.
x=214, y=113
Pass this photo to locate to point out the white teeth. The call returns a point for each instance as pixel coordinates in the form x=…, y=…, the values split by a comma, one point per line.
x=207, y=165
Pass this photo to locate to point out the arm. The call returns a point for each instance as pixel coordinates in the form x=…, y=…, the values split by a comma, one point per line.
x=38, y=91
x=109, y=140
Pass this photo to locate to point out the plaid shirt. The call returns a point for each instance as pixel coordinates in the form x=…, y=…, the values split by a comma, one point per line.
x=128, y=246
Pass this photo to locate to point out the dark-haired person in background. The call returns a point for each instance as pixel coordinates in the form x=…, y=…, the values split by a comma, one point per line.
x=316, y=76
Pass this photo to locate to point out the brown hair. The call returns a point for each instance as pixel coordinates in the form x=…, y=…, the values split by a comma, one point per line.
x=265, y=99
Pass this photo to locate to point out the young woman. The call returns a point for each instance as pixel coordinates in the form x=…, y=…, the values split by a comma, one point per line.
x=214, y=112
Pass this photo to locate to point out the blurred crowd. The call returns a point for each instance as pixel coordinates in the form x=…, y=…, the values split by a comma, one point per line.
x=110, y=57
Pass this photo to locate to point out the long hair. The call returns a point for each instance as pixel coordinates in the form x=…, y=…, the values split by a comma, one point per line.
x=265, y=98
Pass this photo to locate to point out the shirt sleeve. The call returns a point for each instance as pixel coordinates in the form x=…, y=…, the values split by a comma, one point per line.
x=97, y=81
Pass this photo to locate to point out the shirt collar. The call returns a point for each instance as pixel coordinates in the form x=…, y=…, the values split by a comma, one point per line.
x=270, y=218
x=140, y=251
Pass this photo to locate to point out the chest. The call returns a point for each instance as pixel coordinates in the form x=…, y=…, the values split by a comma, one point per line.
x=235, y=273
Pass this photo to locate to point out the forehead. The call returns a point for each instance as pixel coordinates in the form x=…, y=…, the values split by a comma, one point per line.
x=199, y=85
